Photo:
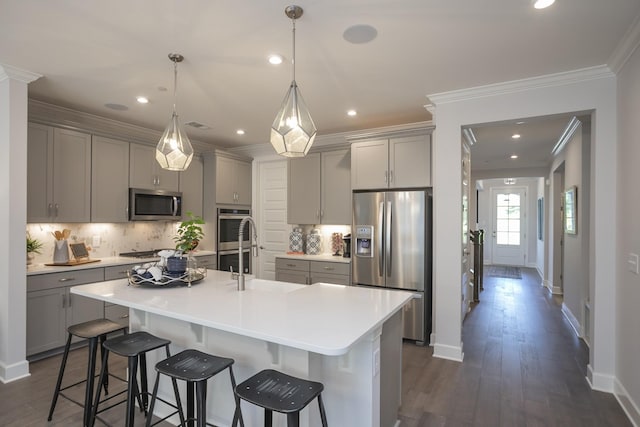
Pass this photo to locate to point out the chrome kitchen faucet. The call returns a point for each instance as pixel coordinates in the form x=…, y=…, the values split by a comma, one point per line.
x=253, y=243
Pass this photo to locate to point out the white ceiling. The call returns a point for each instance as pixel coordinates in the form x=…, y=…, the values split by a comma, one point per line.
x=92, y=53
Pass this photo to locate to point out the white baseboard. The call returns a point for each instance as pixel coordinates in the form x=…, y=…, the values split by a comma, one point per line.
x=553, y=290
x=628, y=405
x=600, y=382
x=432, y=339
x=572, y=320
x=14, y=372
x=448, y=352
x=532, y=265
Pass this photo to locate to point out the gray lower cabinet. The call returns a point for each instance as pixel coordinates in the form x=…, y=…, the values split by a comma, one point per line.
x=207, y=261
x=307, y=272
x=51, y=307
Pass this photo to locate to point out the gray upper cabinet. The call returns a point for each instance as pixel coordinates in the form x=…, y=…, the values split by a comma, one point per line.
x=191, y=186
x=319, y=189
x=145, y=172
x=58, y=175
x=233, y=181
x=402, y=162
x=109, y=180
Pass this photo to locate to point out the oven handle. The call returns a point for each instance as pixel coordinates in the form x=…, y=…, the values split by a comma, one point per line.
x=231, y=216
x=234, y=251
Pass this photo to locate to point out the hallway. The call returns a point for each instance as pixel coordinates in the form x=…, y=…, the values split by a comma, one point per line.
x=523, y=366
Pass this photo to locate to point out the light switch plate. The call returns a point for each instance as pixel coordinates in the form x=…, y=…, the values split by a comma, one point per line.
x=632, y=263
x=95, y=241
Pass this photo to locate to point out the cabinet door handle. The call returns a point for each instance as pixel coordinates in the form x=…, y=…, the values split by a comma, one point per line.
x=386, y=176
x=126, y=316
x=66, y=279
x=64, y=301
x=56, y=211
x=291, y=265
x=390, y=176
x=329, y=268
x=49, y=209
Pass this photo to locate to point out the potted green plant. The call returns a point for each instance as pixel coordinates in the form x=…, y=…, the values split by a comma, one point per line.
x=33, y=247
x=187, y=237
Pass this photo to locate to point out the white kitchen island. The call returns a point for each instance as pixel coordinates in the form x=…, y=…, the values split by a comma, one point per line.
x=348, y=338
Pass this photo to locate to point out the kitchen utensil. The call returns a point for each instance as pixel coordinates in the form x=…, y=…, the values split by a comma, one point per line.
x=66, y=233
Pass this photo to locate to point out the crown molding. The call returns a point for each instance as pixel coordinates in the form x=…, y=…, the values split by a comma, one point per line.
x=340, y=140
x=24, y=76
x=514, y=86
x=566, y=136
x=55, y=115
x=623, y=51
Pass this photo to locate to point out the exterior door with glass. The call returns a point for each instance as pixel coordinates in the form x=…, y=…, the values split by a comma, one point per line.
x=509, y=216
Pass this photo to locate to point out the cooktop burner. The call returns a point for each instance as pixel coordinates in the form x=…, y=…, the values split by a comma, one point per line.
x=141, y=254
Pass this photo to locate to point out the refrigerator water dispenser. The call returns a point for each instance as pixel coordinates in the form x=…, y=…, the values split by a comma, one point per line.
x=364, y=241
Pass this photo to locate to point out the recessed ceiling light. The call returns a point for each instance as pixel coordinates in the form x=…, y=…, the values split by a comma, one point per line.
x=142, y=99
x=541, y=4
x=240, y=132
x=520, y=123
x=515, y=136
x=352, y=113
x=275, y=59
x=514, y=156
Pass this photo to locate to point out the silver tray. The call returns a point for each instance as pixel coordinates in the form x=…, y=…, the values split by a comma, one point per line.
x=167, y=279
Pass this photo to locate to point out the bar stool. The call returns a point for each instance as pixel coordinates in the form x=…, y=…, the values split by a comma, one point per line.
x=93, y=331
x=194, y=367
x=134, y=347
x=275, y=391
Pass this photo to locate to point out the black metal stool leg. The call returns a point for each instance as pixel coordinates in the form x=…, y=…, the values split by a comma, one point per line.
x=96, y=401
x=323, y=415
x=201, y=392
x=131, y=390
x=91, y=372
x=143, y=382
x=237, y=413
x=105, y=384
x=56, y=392
x=293, y=419
x=153, y=400
x=175, y=392
x=268, y=418
x=190, y=412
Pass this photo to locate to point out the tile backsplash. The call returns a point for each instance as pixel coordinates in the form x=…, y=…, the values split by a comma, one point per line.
x=112, y=239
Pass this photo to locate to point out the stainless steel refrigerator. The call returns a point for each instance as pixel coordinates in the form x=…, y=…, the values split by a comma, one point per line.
x=392, y=249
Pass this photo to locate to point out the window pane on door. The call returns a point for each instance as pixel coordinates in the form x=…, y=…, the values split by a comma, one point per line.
x=508, y=219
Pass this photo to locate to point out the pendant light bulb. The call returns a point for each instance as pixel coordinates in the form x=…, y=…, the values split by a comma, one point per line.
x=174, y=151
x=293, y=130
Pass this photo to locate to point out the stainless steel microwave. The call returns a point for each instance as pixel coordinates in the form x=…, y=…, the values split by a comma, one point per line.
x=154, y=205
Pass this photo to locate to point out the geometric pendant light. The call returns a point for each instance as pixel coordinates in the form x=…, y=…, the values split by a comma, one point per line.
x=293, y=130
x=174, y=151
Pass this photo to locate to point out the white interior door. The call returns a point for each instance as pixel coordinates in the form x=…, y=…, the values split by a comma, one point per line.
x=271, y=214
x=509, y=215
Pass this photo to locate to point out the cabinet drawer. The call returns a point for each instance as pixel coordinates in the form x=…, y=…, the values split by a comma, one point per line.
x=117, y=271
x=117, y=313
x=292, y=276
x=337, y=279
x=291, y=264
x=208, y=261
x=330, y=267
x=69, y=278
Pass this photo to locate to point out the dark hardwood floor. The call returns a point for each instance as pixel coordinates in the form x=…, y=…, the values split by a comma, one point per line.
x=523, y=366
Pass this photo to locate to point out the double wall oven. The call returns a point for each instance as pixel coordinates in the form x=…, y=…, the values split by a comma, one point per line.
x=227, y=246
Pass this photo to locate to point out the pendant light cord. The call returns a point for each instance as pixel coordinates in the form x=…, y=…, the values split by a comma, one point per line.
x=293, y=59
x=175, y=85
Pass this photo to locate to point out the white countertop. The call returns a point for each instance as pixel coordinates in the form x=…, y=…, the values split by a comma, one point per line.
x=321, y=318
x=34, y=269
x=321, y=257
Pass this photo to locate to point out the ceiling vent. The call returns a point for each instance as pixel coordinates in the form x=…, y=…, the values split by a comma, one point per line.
x=197, y=125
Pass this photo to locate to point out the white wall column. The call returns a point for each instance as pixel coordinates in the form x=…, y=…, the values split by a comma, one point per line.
x=591, y=89
x=13, y=219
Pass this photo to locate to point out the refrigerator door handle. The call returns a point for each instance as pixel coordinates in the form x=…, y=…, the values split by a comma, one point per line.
x=387, y=239
x=379, y=245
